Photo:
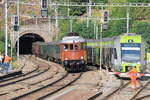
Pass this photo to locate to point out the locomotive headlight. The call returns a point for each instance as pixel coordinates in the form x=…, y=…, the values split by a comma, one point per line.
x=123, y=62
x=66, y=58
x=138, y=62
x=81, y=57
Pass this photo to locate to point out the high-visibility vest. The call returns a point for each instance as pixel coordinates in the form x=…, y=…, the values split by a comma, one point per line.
x=7, y=59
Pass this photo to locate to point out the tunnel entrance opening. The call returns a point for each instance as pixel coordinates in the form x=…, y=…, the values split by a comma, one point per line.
x=25, y=43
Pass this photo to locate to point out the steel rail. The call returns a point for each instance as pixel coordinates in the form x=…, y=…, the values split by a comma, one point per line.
x=24, y=74
x=28, y=94
x=122, y=85
x=143, y=97
x=13, y=82
x=139, y=91
x=95, y=96
x=51, y=93
x=30, y=84
x=45, y=70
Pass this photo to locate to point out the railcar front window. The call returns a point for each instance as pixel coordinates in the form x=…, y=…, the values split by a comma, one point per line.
x=130, y=55
x=130, y=52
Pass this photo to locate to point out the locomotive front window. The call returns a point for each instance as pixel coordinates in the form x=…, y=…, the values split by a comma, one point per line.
x=71, y=46
x=76, y=46
x=65, y=46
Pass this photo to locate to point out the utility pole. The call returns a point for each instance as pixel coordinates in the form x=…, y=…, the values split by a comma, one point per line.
x=12, y=44
x=96, y=31
x=70, y=20
x=89, y=12
x=56, y=16
x=12, y=40
x=71, y=25
x=101, y=29
x=100, y=60
x=127, y=20
x=18, y=30
x=6, y=32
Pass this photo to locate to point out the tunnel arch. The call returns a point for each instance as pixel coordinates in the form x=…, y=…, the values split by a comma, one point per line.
x=25, y=42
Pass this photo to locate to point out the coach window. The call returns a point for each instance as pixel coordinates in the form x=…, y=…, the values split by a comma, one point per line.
x=145, y=56
x=71, y=46
x=65, y=46
x=115, y=53
x=83, y=46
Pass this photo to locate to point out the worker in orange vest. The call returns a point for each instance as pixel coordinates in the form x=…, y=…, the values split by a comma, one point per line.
x=133, y=76
x=6, y=64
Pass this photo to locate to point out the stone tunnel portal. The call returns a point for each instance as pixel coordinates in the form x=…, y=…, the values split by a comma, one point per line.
x=25, y=43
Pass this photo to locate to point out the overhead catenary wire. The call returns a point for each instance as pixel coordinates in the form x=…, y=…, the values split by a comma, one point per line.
x=84, y=4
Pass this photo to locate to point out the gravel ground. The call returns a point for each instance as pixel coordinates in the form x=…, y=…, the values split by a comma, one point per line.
x=89, y=84
x=85, y=87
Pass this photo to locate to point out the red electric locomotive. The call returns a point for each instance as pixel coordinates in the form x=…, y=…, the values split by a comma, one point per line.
x=70, y=51
x=73, y=53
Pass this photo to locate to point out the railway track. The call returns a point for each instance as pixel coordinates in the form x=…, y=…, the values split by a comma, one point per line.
x=124, y=92
x=35, y=72
x=121, y=86
x=25, y=77
x=39, y=90
x=49, y=89
x=23, y=81
x=135, y=96
x=18, y=76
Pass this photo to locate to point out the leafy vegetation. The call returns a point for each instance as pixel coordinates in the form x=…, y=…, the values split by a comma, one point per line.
x=2, y=40
x=83, y=30
x=139, y=19
x=142, y=28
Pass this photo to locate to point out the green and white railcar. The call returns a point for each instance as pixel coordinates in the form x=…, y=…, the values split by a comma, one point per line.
x=131, y=51
x=120, y=52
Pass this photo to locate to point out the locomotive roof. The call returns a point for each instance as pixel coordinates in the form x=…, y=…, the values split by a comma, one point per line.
x=71, y=39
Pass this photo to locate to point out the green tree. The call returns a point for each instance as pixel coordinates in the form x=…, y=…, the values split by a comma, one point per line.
x=116, y=27
x=143, y=29
x=2, y=41
x=64, y=28
x=139, y=1
x=83, y=30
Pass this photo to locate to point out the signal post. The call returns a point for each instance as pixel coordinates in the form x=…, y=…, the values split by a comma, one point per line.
x=44, y=8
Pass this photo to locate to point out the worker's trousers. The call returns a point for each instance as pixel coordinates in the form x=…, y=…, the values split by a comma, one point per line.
x=5, y=66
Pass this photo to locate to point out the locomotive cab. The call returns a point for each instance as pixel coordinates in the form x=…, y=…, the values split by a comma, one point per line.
x=73, y=53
